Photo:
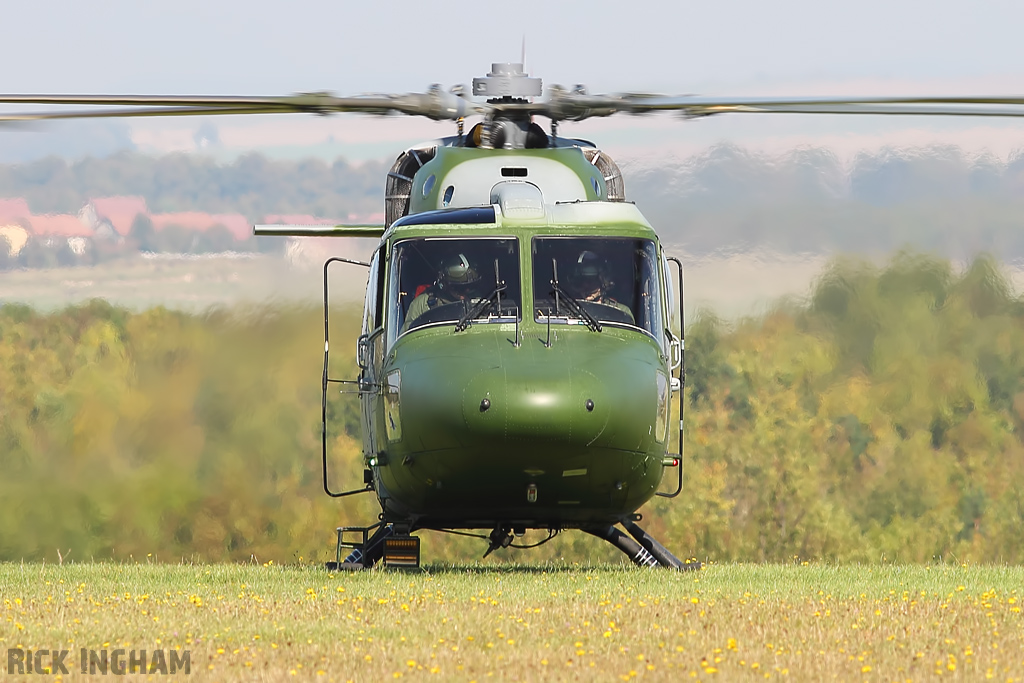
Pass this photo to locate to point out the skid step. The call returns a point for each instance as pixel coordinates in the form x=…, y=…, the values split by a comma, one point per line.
x=354, y=539
x=368, y=545
x=402, y=551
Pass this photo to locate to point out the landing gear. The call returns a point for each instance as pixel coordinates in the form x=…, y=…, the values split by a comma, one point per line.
x=501, y=537
x=395, y=546
x=644, y=551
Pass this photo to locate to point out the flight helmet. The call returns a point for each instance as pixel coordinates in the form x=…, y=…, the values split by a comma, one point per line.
x=589, y=271
x=458, y=275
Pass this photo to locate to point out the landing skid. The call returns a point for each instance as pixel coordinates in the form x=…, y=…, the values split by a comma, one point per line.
x=395, y=547
x=642, y=549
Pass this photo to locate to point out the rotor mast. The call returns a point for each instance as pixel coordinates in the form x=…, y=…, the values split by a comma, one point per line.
x=506, y=126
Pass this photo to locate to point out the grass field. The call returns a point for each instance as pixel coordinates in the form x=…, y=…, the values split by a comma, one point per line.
x=545, y=622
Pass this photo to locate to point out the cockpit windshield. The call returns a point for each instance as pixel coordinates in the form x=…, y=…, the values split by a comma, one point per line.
x=454, y=282
x=599, y=280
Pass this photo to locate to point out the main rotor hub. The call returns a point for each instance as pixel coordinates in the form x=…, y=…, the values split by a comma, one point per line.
x=506, y=79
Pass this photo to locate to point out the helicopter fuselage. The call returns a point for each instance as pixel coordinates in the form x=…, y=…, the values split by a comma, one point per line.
x=537, y=456
x=530, y=413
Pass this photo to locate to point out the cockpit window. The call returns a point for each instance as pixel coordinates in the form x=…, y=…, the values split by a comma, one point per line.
x=437, y=281
x=613, y=280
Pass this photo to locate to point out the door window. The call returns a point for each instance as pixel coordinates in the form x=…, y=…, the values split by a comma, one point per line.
x=441, y=281
x=616, y=280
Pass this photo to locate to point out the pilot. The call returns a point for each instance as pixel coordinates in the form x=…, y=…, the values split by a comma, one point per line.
x=457, y=281
x=591, y=282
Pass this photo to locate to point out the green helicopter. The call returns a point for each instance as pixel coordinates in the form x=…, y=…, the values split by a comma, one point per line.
x=522, y=335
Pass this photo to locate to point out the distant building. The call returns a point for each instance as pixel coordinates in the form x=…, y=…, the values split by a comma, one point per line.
x=13, y=211
x=59, y=225
x=104, y=223
x=112, y=217
x=13, y=238
x=78, y=245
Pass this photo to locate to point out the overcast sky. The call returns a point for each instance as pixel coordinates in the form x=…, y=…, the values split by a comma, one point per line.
x=257, y=46
x=722, y=47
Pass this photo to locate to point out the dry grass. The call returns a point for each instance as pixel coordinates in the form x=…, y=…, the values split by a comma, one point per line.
x=555, y=622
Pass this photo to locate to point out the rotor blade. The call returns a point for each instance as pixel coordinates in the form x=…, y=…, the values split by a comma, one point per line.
x=879, y=109
x=578, y=106
x=151, y=100
x=671, y=102
x=151, y=111
x=435, y=104
x=561, y=105
x=363, y=230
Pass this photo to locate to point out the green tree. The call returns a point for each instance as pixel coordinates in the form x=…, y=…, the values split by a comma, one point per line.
x=144, y=234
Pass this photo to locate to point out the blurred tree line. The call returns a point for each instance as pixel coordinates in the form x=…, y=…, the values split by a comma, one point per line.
x=176, y=239
x=940, y=199
x=252, y=185
x=880, y=420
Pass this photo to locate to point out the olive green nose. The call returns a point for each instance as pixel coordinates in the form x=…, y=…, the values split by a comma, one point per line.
x=550, y=404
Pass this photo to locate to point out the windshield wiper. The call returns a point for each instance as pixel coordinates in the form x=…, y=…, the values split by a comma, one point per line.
x=570, y=302
x=484, y=305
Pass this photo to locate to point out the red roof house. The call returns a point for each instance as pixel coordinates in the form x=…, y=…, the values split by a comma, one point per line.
x=120, y=211
x=59, y=225
x=13, y=209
